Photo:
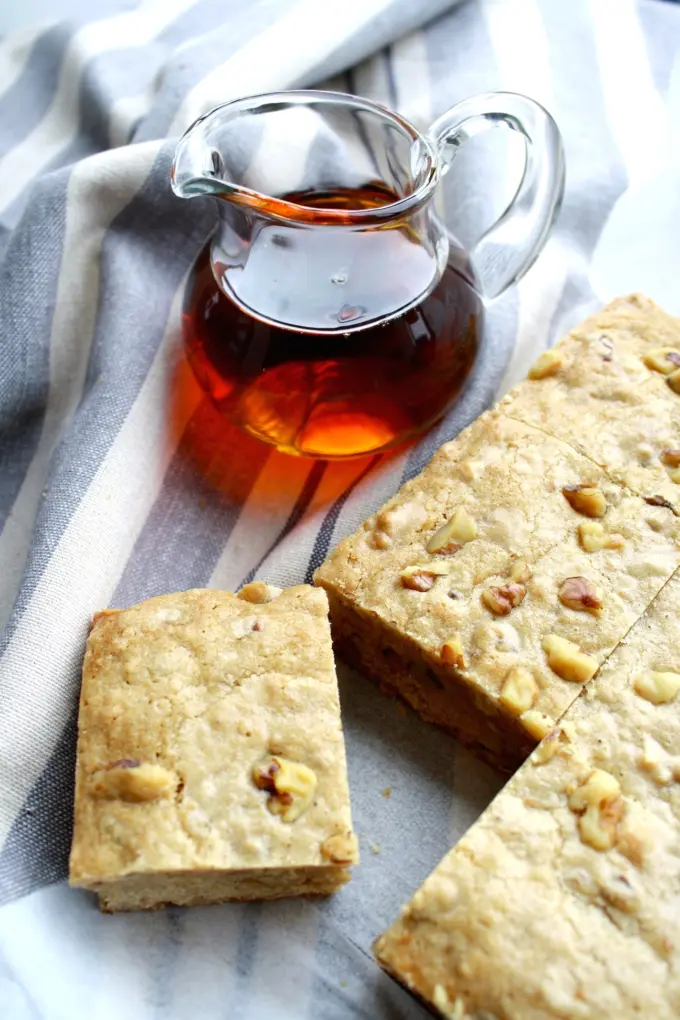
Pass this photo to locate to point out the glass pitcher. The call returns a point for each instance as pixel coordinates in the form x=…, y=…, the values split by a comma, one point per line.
x=332, y=314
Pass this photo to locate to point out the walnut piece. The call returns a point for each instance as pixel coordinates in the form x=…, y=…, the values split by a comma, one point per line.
x=451, y=652
x=673, y=381
x=567, y=660
x=454, y=1009
x=538, y=724
x=581, y=594
x=547, y=749
x=421, y=578
x=659, y=501
x=457, y=531
x=259, y=592
x=547, y=363
x=662, y=359
x=385, y=521
x=599, y=804
x=519, y=691
x=670, y=458
x=520, y=571
x=440, y=997
x=594, y=537
x=556, y=741
x=585, y=499
x=133, y=782
x=340, y=848
x=500, y=600
x=657, y=687
x=291, y=786
x=467, y=470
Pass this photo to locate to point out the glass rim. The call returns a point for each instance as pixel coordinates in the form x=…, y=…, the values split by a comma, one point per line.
x=292, y=211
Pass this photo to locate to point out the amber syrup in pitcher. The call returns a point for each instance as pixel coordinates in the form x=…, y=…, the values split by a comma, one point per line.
x=335, y=395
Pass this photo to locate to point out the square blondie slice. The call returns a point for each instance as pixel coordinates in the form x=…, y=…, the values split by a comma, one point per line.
x=611, y=389
x=563, y=899
x=493, y=584
x=211, y=762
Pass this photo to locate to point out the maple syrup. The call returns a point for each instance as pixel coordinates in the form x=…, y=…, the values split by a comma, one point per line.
x=333, y=394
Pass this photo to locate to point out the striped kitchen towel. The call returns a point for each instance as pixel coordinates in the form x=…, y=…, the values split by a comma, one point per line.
x=118, y=481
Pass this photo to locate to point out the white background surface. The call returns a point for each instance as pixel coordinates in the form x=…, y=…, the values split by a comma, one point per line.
x=15, y=15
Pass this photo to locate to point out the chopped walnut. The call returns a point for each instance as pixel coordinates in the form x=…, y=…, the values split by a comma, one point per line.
x=599, y=805
x=594, y=537
x=673, y=381
x=567, y=660
x=291, y=786
x=459, y=530
x=133, y=782
x=381, y=540
x=340, y=848
x=659, y=501
x=538, y=724
x=451, y=652
x=258, y=592
x=547, y=749
x=556, y=741
x=441, y=1000
x=519, y=691
x=662, y=359
x=657, y=687
x=586, y=500
x=520, y=571
x=670, y=458
x=385, y=521
x=500, y=600
x=581, y=594
x=547, y=363
x=466, y=470
x=421, y=578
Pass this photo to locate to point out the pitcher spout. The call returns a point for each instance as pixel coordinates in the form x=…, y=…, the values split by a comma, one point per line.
x=214, y=154
x=317, y=214
x=198, y=167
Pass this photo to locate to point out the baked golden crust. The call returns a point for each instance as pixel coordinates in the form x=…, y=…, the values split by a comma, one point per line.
x=614, y=397
x=186, y=700
x=563, y=899
x=486, y=551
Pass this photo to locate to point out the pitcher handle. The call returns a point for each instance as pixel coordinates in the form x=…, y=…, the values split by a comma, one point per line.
x=508, y=248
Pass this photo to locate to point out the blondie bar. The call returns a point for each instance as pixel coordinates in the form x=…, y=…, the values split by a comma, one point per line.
x=611, y=389
x=493, y=585
x=563, y=900
x=211, y=763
